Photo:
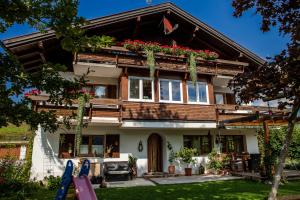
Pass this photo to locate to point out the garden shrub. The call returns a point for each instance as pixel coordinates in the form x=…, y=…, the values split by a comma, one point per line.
x=14, y=179
x=218, y=161
x=270, y=152
x=53, y=182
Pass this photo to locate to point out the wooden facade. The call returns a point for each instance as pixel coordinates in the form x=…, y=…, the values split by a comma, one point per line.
x=191, y=33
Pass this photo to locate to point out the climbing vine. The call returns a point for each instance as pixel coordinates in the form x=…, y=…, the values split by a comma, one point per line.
x=82, y=100
x=150, y=61
x=192, y=67
x=28, y=158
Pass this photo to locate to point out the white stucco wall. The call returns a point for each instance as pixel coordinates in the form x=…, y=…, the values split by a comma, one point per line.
x=45, y=159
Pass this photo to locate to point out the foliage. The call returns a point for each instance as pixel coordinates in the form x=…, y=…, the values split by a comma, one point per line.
x=277, y=137
x=53, y=182
x=293, y=164
x=61, y=17
x=277, y=79
x=172, y=154
x=14, y=173
x=94, y=43
x=22, y=191
x=28, y=158
x=132, y=161
x=218, y=161
x=186, y=155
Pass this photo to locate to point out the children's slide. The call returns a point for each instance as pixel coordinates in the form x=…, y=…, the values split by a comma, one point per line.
x=65, y=182
x=83, y=186
x=84, y=189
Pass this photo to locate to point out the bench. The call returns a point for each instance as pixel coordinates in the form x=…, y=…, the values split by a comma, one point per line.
x=117, y=170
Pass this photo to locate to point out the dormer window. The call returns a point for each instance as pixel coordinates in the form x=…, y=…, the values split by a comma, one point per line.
x=170, y=91
x=197, y=93
x=140, y=89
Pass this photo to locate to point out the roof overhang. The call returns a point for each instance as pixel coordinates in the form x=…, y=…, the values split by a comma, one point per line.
x=30, y=49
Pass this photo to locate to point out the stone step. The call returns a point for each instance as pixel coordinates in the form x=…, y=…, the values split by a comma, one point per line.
x=155, y=175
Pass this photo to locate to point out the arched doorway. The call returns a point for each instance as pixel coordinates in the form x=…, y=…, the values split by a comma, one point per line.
x=154, y=153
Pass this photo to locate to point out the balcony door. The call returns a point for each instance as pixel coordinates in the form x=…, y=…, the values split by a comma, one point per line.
x=154, y=153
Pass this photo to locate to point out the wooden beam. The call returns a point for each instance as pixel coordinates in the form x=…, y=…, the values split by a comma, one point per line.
x=32, y=62
x=267, y=132
x=193, y=34
x=42, y=51
x=28, y=55
x=137, y=27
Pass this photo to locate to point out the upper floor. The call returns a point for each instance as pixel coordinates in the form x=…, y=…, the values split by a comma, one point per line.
x=119, y=78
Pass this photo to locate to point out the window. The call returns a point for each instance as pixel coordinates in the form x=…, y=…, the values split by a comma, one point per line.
x=225, y=98
x=102, y=91
x=112, y=146
x=170, y=90
x=197, y=93
x=219, y=98
x=200, y=142
x=66, y=145
x=141, y=89
x=231, y=143
x=91, y=146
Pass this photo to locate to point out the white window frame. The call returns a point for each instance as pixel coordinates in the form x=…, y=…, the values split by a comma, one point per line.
x=140, y=99
x=197, y=93
x=170, y=91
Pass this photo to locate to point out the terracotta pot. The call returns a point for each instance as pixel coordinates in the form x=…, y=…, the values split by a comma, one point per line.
x=188, y=171
x=171, y=169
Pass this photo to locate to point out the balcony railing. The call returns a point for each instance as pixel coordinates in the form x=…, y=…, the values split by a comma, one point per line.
x=123, y=58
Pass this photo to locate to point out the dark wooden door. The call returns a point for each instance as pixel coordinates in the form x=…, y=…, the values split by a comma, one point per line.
x=154, y=153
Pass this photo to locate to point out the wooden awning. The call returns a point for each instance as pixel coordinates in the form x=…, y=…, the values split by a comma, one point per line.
x=255, y=120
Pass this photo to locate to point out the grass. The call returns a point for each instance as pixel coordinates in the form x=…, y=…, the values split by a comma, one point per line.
x=10, y=130
x=237, y=189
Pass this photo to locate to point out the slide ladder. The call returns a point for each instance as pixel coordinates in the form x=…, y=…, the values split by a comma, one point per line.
x=82, y=184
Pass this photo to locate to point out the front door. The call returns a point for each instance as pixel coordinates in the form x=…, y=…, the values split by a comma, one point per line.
x=154, y=153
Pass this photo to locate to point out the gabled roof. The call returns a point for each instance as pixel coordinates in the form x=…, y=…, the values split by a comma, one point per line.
x=30, y=41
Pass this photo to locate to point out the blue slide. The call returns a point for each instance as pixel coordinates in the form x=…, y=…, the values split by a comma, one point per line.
x=65, y=182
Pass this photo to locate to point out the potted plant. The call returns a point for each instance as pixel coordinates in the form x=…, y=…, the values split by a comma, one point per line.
x=218, y=162
x=171, y=159
x=186, y=156
x=132, y=165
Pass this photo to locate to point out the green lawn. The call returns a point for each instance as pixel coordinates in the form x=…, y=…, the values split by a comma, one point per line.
x=9, y=130
x=237, y=189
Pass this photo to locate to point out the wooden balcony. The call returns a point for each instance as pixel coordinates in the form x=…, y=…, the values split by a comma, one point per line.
x=129, y=110
x=95, y=108
x=164, y=111
x=229, y=112
x=121, y=57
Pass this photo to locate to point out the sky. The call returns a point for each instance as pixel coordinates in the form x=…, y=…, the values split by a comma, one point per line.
x=216, y=13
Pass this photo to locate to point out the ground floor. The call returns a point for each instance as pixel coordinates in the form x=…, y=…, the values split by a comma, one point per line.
x=148, y=144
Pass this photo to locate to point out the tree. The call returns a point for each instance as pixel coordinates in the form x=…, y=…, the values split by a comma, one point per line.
x=60, y=16
x=278, y=79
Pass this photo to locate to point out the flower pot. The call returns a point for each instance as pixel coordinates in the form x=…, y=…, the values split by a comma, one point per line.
x=171, y=169
x=188, y=171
